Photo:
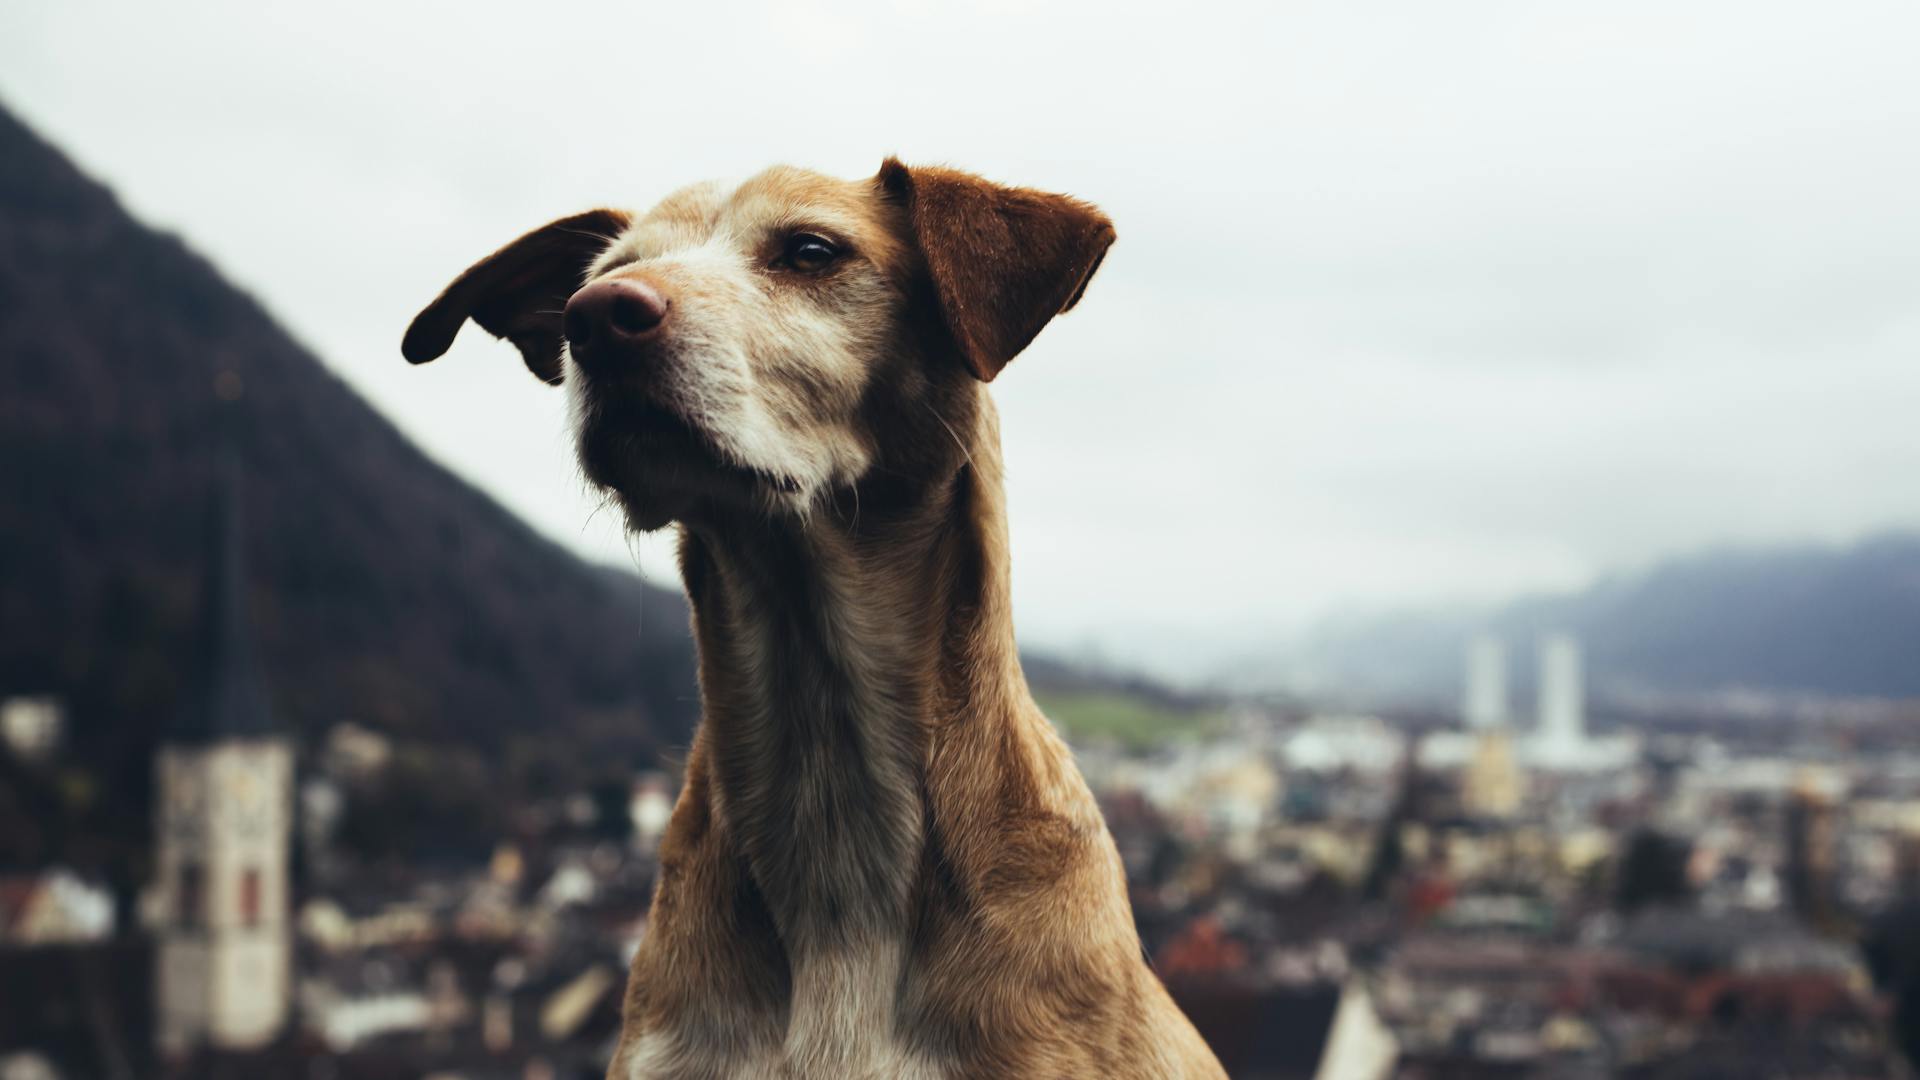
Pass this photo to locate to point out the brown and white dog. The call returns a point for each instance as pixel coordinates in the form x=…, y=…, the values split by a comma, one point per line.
x=883, y=862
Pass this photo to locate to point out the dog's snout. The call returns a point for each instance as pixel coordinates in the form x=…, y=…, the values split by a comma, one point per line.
x=607, y=319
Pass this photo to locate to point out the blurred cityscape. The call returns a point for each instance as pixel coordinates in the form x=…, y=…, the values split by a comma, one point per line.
x=1489, y=891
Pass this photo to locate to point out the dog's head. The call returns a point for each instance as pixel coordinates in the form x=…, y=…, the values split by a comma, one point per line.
x=768, y=346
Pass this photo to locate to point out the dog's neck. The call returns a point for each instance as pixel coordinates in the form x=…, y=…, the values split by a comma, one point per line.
x=836, y=655
x=876, y=813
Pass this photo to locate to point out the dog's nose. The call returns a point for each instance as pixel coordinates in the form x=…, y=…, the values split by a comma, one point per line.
x=608, y=318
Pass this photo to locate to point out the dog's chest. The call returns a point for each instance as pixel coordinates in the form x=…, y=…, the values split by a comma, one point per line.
x=655, y=1059
x=841, y=1025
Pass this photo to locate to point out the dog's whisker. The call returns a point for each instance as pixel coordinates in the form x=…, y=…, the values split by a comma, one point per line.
x=968, y=454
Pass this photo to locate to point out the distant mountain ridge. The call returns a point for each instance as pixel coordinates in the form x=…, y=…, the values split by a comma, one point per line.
x=1839, y=621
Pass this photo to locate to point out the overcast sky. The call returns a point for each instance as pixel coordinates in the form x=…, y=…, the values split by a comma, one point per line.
x=1412, y=303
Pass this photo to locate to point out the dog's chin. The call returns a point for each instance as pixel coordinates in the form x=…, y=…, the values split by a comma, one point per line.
x=661, y=469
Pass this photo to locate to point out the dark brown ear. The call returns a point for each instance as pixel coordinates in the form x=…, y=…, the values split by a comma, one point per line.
x=1004, y=261
x=519, y=292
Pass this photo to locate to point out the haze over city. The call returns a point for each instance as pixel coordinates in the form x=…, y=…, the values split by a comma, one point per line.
x=1426, y=305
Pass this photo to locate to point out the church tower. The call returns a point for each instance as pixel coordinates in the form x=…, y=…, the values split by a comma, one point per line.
x=225, y=815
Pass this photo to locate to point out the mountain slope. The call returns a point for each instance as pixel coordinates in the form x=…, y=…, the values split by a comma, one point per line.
x=1794, y=620
x=382, y=588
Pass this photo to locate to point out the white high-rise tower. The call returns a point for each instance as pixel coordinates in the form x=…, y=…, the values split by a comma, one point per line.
x=1484, y=704
x=225, y=816
x=1562, y=693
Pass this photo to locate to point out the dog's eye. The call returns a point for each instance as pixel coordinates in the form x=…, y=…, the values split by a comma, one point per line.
x=808, y=253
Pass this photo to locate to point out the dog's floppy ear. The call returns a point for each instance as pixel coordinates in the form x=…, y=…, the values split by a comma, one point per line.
x=519, y=292
x=1004, y=261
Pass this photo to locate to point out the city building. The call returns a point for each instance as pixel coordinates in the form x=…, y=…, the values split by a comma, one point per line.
x=32, y=727
x=1484, y=703
x=224, y=819
x=1562, y=692
x=1494, y=786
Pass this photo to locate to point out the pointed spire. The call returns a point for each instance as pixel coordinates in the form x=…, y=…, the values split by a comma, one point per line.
x=229, y=699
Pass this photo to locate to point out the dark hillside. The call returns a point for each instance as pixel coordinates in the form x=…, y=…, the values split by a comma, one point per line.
x=1838, y=621
x=383, y=589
